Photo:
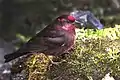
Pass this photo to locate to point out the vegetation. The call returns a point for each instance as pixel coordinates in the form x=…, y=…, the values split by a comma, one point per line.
x=96, y=53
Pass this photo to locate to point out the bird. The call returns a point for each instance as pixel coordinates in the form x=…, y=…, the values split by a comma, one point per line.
x=55, y=39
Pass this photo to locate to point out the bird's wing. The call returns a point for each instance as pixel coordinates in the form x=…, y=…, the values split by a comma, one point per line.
x=43, y=41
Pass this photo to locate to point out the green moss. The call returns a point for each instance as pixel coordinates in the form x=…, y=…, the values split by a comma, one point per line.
x=37, y=66
x=96, y=53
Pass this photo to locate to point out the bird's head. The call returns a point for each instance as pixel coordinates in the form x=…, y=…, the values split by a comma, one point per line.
x=66, y=18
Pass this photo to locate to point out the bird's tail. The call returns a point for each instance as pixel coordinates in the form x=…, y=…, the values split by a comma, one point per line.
x=12, y=56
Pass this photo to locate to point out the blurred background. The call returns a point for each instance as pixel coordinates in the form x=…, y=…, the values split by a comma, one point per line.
x=28, y=16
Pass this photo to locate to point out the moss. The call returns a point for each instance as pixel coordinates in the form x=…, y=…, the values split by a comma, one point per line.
x=37, y=66
x=96, y=53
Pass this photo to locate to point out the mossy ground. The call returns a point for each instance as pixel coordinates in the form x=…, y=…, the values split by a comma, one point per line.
x=96, y=53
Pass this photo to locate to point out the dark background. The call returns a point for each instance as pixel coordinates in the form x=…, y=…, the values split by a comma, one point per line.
x=25, y=17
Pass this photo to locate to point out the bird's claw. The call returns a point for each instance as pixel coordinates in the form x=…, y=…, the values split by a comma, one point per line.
x=53, y=63
x=57, y=63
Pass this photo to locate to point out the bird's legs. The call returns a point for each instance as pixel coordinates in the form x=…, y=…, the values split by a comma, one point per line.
x=52, y=62
x=70, y=50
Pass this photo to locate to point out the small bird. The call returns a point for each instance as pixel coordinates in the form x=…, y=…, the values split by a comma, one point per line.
x=55, y=39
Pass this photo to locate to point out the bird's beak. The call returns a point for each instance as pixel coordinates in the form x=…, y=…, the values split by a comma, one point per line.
x=86, y=17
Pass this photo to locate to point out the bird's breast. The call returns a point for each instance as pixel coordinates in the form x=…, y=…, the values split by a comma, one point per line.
x=69, y=35
x=69, y=28
x=69, y=39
